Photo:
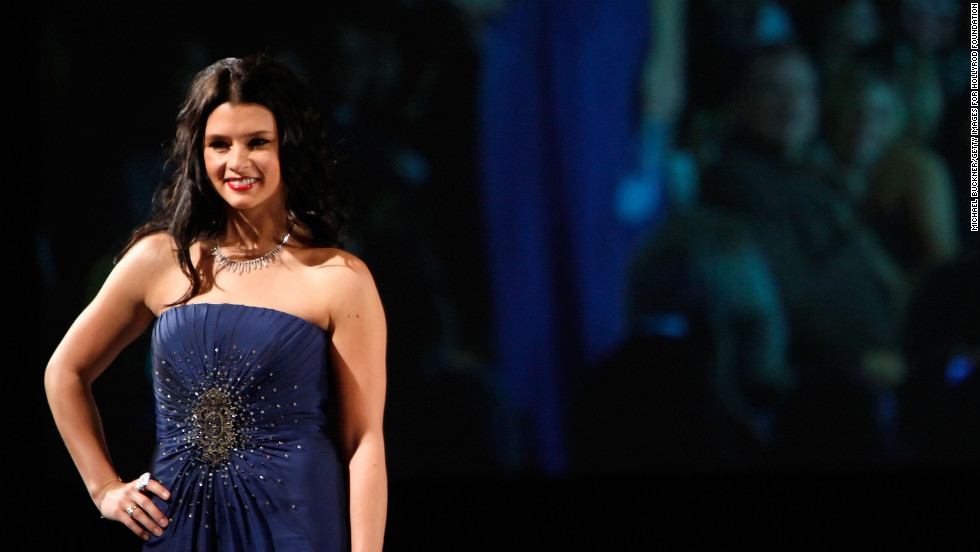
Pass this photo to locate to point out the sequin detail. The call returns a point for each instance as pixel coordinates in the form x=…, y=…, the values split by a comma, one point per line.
x=242, y=429
x=214, y=426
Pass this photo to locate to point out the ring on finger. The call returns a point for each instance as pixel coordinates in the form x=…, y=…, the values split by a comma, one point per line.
x=142, y=481
x=132, y=510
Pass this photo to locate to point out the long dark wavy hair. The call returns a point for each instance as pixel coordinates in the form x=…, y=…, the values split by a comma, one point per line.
x=187, y=207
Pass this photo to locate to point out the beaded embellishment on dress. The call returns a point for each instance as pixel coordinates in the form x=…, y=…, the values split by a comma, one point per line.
x=214, y=426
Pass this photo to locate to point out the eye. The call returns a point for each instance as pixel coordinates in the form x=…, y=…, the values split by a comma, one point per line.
x=218, y=145
x=258, y=142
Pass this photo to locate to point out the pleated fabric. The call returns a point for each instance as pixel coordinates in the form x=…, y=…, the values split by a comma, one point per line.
x=244, y=425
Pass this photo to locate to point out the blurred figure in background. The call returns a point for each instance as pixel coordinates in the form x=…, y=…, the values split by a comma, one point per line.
x=928, y=44
x=720, y=35
x=924, y=183
x=842, y=292
x=861, y=122
x=913, y=188
x=901, y=187
x=698, y=383
x=837, y=32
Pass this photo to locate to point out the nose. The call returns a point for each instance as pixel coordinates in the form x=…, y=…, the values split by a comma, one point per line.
x=238, y=159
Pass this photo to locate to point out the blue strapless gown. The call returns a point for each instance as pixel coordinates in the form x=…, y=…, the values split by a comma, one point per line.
x=244, y=431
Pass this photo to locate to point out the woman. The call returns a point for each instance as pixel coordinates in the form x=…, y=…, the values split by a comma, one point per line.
x=895, y=180
x=268, y=341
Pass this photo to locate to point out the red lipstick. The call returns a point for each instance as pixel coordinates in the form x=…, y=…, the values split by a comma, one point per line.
x=241, y=184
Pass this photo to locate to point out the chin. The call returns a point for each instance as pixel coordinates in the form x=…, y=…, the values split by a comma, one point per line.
x=241, y=204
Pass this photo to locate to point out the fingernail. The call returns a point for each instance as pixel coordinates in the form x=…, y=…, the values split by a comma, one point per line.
x=163, y=522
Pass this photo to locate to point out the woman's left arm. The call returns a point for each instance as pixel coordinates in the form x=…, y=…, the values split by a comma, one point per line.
x=358, y=354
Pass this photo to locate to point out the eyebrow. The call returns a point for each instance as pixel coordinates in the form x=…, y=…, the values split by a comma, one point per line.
x=214, y=136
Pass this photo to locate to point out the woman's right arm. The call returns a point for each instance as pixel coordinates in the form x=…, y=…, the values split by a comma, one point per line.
x=118, y=315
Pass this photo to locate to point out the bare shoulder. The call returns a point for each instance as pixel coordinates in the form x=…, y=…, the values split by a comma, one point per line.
x=345, y=283
x=340, y=267
x=123, y=295
x=151, y=272
x=151, y=253
x=348, y=278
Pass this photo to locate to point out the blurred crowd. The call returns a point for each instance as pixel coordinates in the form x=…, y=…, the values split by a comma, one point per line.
x=813, y=305
x=630, y=236
x=799, y=296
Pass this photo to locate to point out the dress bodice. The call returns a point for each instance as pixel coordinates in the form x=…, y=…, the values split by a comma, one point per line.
x=243, y=422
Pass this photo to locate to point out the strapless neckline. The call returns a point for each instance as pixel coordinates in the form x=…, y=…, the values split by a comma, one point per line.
x=243, y=307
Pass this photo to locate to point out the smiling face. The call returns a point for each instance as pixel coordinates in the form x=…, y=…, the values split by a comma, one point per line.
x=241, y=156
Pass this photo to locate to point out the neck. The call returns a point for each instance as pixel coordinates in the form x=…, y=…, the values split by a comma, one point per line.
x=247, y=232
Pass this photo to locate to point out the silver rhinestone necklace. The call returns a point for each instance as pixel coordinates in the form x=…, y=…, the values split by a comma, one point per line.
x=250, y=265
